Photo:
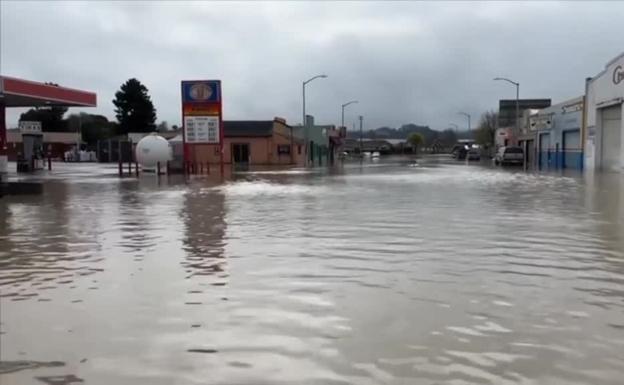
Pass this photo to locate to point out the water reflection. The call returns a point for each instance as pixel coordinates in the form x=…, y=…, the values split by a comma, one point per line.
x=203, y=215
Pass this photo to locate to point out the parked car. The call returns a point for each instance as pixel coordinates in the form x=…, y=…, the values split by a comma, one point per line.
x=473, y=154
x=509, y=155
x=459, y=152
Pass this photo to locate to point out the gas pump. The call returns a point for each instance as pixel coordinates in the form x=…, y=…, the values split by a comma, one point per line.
x=32, y=157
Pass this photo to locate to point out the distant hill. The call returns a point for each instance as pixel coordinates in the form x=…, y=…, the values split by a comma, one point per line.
x=447, y=137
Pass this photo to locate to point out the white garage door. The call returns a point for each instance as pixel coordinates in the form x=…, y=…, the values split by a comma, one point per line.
x=571, y=149
x=611, y=137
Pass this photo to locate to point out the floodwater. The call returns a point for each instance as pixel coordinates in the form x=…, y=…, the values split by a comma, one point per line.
x=380, y=273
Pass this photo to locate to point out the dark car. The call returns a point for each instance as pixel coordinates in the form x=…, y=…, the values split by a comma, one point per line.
x=473, y=154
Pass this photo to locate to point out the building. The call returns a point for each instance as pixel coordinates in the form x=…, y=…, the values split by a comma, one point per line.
x=318, y=140
x=252, y=142
x=504, y=137
x=55, y=144
x=558, y=132
x=603, y=118
x=325, y=141
x=506, y=134
x=337, y=137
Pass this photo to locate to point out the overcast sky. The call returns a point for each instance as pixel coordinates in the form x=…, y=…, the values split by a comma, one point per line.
x=419, y=62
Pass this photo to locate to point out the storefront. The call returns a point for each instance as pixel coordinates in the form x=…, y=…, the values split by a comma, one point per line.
x=253, y=142
x=559, y=135
x=603, y=118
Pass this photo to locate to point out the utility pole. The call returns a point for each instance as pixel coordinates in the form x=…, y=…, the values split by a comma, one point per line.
x=468, y=116
x=361, y=124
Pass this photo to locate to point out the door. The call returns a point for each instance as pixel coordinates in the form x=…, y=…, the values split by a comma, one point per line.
x=611, y=138
x=571, y=149
x=544, y=145
x=240, y=153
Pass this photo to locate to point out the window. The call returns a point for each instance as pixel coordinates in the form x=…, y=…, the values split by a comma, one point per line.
x=283, y=149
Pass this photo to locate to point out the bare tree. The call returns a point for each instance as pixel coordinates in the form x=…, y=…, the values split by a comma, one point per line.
x=486, y=132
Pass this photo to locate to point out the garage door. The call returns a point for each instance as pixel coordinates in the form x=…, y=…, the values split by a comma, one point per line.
x=544, y=144
x=611, y=138
x=571, y=149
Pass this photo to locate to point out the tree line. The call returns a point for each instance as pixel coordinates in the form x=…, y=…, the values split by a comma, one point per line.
x=428, y=136
x=134, y=112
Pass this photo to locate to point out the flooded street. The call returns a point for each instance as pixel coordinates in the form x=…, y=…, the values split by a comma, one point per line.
x=380, y=273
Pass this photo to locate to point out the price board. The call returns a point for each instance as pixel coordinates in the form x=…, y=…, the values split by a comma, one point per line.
x=202, y=129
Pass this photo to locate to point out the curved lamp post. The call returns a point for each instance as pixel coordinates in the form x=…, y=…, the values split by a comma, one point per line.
x=343, y=108
x=304, y=122
x=468, y=116
x=517, y=100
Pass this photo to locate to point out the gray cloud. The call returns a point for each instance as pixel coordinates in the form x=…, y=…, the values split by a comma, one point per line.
x=406, y=62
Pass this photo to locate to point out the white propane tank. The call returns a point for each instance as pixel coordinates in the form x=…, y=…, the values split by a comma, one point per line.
x=153, y=149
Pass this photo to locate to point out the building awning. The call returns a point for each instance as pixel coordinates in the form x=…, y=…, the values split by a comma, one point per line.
x=16, y=92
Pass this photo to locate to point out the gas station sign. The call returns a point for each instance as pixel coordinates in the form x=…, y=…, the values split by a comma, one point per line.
x=201, y=116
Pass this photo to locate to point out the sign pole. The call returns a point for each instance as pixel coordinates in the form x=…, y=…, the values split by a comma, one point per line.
x=221, y=135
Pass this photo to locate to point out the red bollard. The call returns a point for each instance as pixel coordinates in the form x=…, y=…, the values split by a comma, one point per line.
x=136, y=168
x=49, y=163
x=120, y=169
x=130, y=167
x=158, y=168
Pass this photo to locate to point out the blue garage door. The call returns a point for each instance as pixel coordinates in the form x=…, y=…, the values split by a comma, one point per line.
x=544, y=144
x=572, y=149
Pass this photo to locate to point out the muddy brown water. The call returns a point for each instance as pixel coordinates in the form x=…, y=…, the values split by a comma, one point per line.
x=379, y=273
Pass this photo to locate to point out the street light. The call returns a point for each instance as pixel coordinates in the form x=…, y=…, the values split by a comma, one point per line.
x=304, y=85
x=517, y=101
x=343, y=107
x=303, y=122
x=467, y=115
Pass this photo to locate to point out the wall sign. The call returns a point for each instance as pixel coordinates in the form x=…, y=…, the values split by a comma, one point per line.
x=618, y=75
x=30, y=127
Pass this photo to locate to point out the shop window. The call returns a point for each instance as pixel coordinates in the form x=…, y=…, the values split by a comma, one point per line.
x=283, y=149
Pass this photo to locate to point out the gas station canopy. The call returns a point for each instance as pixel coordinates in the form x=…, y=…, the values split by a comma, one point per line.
x=16, y=92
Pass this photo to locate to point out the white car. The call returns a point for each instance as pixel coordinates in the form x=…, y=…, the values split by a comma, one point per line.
x=509, y=155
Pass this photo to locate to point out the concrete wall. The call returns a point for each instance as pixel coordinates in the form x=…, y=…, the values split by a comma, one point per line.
x=603, y=91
